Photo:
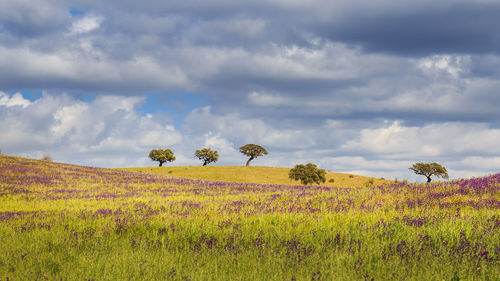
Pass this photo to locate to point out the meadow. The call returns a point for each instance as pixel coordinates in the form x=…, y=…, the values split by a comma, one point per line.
x=66, y=222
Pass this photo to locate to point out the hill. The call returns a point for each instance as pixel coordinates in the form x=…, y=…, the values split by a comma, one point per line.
x=69, y=222
x=254, y=174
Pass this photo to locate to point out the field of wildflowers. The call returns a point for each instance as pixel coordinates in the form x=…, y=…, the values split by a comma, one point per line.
x=66, y=222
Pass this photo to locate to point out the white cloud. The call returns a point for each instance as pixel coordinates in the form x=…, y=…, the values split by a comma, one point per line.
x=80, y=132
x=218, y=142
x=242, y=131
x=69, y=117
x=433, y=140
x=335, y=124
x=86, y=24
x=386, y=149
x=16, y=99
x=268, y=100
x=451, y=65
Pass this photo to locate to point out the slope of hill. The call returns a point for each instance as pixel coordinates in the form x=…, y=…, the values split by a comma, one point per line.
x=69, y=222
x=254, y=174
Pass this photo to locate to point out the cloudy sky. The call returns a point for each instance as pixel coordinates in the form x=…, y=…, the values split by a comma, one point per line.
x=359, y=86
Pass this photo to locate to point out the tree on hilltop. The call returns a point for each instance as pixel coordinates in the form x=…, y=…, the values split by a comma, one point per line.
x=207, y=155
x=162, y=155
x=307, y=174
x=429, y=169
x=253, y=151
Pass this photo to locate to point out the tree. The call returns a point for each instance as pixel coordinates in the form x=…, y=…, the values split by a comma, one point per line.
x=162, y=155
x=307, y=174
x=429, y=169
x=207, y=155
x=253, y=151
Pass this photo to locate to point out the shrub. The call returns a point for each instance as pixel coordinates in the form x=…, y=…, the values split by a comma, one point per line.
x=47, y=157
x=307, y=174
x=370, y=182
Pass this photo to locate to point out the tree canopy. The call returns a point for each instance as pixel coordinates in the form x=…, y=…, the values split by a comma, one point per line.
x=307, y=174
x=162, y=155
x=207, y=155
x=429, y=169
x=253, y=151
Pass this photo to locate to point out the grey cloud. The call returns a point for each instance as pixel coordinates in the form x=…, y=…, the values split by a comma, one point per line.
x=418, y=28
x=487, y=66
x=24, y=18
x=208, y=23
x=405, y=27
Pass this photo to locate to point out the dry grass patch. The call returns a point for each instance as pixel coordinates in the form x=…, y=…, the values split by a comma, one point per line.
x=254, y=174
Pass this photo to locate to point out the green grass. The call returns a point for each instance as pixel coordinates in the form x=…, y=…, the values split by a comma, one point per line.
x=254, y=174
x=65, y=222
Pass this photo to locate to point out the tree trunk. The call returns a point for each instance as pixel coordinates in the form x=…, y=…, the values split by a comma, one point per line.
x=161, y=163
x=428, y=179
x=250, y=159
x=205, y=163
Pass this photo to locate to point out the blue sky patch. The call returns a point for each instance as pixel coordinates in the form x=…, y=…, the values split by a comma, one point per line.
x=76, y=12
x=177, y=105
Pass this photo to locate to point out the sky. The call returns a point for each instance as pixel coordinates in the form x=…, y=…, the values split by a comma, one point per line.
x=357, y=86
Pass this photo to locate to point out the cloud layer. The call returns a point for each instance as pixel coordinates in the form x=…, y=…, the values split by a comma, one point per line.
x=362, y=86
x=110, y=131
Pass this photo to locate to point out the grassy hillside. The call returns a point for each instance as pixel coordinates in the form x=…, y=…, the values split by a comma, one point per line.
x=268, y=175
x=68, y=222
